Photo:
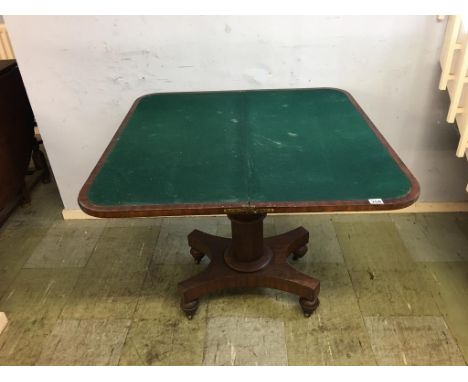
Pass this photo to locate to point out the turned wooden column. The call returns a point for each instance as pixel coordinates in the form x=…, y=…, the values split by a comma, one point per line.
x=247, y=251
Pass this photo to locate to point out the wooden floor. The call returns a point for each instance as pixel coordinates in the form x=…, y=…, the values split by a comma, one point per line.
x=394, y=292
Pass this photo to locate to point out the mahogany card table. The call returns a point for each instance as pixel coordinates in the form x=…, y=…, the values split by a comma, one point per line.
x=247, y=154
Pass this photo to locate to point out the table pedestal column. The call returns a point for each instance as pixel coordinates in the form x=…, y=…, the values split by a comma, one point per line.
x=249, y=260
x=247, y=251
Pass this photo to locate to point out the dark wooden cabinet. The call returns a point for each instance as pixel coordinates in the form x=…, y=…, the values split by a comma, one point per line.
x=17, y=140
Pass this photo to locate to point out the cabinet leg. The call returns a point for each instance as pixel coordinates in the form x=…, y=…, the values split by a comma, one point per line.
x=40, y=163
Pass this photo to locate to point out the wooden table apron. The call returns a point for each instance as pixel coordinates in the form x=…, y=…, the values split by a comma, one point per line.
x=247, y=259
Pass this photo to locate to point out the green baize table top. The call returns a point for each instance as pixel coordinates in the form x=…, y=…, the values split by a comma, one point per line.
x=309, y=146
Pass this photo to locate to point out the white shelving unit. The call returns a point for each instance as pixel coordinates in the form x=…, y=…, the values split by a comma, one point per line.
x=454, y=79
x=6, y=51
x=3, y=321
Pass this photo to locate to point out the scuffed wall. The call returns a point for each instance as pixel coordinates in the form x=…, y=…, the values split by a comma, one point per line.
x=83, y=73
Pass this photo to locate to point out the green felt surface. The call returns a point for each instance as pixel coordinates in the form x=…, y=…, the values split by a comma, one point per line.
x=250, y=146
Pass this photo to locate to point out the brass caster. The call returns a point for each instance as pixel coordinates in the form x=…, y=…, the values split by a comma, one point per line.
x=189, y=308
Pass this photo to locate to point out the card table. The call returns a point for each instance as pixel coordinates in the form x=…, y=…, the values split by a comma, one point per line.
x=246, y=154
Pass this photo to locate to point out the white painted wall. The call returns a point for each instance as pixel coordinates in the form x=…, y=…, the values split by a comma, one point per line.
x=83, y=73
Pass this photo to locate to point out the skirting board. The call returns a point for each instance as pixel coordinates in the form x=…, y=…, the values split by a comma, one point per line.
x=415, y=208
x=3, y=321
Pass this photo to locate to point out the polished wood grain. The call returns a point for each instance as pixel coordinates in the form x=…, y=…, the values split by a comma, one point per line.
x=248, y=261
